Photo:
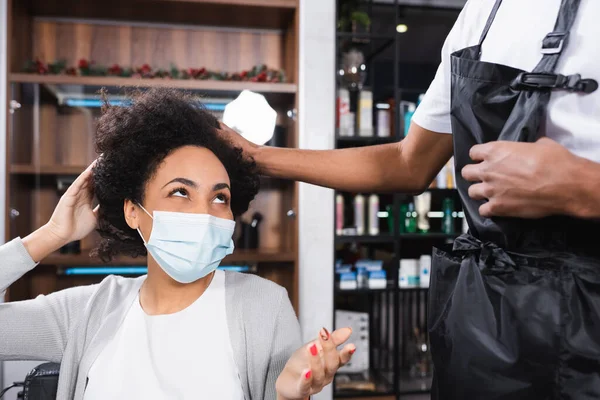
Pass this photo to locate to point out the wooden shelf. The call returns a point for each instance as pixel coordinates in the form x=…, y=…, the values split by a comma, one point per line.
x=259, y=14
x=28, y=169
x=357, y=141
x=385, y=238
x=431, y=235
x=213, y=86
x=238, y=256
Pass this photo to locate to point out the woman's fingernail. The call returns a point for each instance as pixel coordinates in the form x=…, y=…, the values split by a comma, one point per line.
x=313, y=350
x=352, y=350
x=308, y=374
x=324, y=334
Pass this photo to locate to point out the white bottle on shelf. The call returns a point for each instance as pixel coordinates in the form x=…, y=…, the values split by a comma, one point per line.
x=365, y=113
x=425, y=270
x=373, y=218
x=359, y=214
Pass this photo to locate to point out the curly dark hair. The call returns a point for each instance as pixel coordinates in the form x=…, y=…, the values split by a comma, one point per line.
x=135, y=139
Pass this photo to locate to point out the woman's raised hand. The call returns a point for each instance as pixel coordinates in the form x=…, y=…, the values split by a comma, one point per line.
x=73, y=219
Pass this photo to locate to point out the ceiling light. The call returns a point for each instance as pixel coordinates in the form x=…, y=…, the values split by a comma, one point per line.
x=401, y=28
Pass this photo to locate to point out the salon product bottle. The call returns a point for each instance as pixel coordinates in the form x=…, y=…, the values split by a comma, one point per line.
x=411, y=219
x=390, y=218
x=343, y=112
x=448, y=219
x=351, y=123
x=408, y=117
x=339, y=214
x=359, y=214
x=365, y=113
x=441, y=180
x=423, y=206
x=408, y=274
x=383, y=120
x=424, y=271
x=362, y=277
x=373, y=218
x=403, y=216
x=450, y=174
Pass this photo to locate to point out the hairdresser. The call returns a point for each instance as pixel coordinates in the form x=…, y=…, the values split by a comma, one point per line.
x=514, y=305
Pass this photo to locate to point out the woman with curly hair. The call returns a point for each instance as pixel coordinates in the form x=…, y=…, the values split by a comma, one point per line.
x=169, y=187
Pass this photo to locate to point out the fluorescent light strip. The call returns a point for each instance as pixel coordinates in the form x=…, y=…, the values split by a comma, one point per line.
x=96, y=103
x=106, y=270
x=134, y=270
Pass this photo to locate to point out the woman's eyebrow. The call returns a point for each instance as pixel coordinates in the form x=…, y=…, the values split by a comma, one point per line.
x=184, y=181
x=220, y=186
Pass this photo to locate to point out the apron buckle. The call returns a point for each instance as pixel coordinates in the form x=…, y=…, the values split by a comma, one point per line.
x=550, y=44
x=572, y=83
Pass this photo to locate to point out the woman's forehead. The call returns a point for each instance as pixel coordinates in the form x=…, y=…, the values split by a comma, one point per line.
x=194, y=163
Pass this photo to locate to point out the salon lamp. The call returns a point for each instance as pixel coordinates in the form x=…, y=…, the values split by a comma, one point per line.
x=251, y=115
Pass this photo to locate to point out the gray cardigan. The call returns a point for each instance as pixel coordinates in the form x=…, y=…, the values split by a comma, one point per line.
x=73, y=326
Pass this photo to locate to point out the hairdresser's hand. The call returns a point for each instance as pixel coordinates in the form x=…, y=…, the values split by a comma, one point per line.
x=237, y=140
x=525, y=180
x=313, y=366
x=74, y=218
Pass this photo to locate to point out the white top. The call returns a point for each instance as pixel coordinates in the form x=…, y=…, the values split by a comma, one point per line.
x=185, y=355
x=515, y=40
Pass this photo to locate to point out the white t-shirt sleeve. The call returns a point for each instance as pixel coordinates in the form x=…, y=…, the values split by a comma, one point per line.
x=433, y=112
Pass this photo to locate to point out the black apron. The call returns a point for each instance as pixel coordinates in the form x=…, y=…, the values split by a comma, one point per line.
x=514, y=308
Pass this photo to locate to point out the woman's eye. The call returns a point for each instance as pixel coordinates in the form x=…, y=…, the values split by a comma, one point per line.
x=179, y=193
x=221, y=199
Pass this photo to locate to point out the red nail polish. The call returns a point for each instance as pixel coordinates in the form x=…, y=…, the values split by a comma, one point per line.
x=308, y=374
x=352, y=351
x=325, y=334
x=313, y=350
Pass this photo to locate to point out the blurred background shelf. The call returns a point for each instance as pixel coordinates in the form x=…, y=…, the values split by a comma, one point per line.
x=28, y=169
x=75, y=88
x=205, y=86
x=385, y=238
x=356, y=141
x=247, y=14
x=430, y=235
x=360, y=385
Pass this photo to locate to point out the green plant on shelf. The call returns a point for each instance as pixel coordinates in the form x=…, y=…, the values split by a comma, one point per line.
x=351, y=19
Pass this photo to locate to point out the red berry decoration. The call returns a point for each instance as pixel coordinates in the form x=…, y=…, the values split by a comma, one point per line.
x=258, y=73
x=115, y=70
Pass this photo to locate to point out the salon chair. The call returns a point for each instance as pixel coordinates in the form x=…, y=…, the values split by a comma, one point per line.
x=39, y=384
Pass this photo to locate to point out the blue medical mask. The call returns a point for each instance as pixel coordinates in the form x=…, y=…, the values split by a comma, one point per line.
x=189, y=246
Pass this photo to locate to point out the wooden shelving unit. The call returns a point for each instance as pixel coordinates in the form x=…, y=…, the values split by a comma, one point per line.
x=206, y=86
x=50, y=141
x=28, y=169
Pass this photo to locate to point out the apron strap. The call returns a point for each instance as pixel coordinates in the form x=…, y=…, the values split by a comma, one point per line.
x=488, y=24
x=555, y=42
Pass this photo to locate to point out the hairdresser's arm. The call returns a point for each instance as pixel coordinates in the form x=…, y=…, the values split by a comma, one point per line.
x=38, y=329
x=407, y=166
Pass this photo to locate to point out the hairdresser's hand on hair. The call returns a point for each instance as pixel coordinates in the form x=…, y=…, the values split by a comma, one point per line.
x=237, y=140
x=313, y=366
x=74, y=218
